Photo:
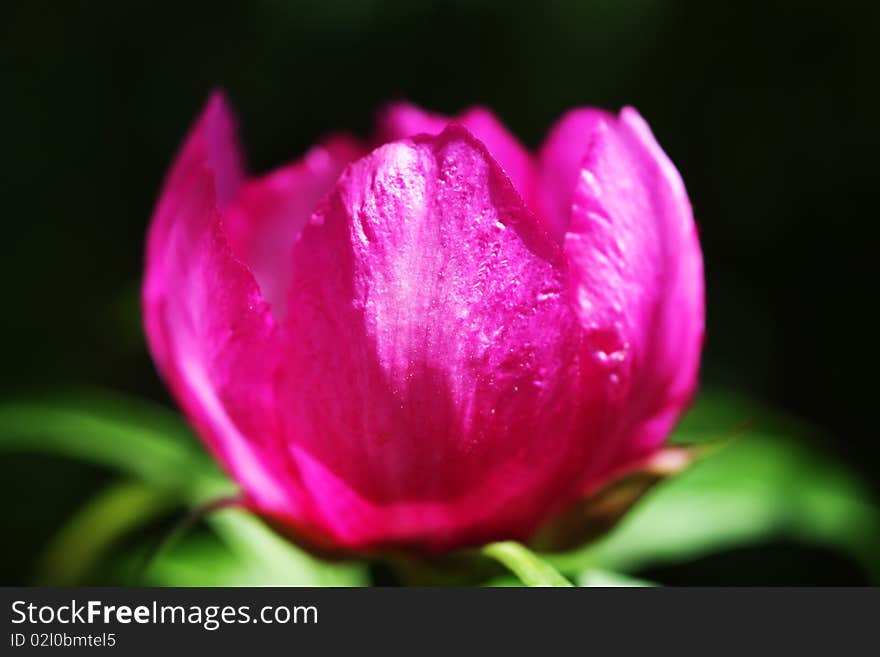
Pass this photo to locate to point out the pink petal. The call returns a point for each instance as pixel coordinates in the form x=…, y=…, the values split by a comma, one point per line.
x=431, y=385
x=269, y=213
x=401, y=120
x=636, y=276
x=559, y=165
x=448, y=373
x=211, y=149
x=212, y=334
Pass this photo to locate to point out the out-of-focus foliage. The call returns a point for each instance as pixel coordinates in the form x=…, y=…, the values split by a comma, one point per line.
x=759, y=478
x=156, y=450
x=90, y=534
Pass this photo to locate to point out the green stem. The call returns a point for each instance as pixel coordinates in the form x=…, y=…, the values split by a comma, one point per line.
x=525, y=564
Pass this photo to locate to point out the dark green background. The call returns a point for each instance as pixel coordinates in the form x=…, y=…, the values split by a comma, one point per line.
x=768, y=109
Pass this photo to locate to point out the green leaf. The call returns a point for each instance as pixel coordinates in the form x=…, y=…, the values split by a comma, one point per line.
x=594, y=577
x=767, y=483
x=279, y=562
x=525, y=564
x=198, y=560
x=242, y=551
x=722, y=416
x=91, y=533
x=153, y=446
x=137, y=439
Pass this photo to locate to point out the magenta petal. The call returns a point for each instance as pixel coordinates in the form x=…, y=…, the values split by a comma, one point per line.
x=269, y=213
x=401, y=120
x=636, y=277
x=431, y=385
x=211, y=157
x=212, y=334
x=559, y=165
x=431, y=346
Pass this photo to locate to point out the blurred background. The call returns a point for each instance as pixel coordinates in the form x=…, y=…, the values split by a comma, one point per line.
x=768, y=109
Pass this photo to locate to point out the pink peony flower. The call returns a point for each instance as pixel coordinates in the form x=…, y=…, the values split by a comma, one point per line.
x=435, y=342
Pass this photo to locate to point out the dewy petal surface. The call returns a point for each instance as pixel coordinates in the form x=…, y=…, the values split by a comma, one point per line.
x=401, y=120
x=444, y=346
x=431, y=386
x=211, y=332
x=636, y=274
